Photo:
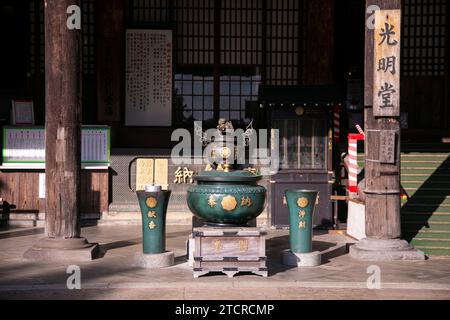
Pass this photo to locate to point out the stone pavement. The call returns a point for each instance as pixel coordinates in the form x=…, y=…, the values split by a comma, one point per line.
x=114, y=277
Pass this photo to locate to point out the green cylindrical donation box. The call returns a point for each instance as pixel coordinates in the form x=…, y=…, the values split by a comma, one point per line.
x=301, y=204
x=154, y=210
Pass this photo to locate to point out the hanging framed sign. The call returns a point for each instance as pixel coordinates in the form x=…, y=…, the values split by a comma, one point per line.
x=22, y=112
x=148, y=100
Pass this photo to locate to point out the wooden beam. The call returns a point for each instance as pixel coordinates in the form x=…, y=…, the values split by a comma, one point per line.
x=63, y=54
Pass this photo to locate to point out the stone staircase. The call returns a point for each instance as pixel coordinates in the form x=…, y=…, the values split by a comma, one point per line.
x=425, y=175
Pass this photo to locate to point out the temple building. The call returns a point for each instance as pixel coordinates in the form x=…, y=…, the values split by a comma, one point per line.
x=150, y=67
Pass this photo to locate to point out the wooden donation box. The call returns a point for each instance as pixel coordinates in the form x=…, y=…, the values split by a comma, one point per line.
x=302, y=116
x=229, y=250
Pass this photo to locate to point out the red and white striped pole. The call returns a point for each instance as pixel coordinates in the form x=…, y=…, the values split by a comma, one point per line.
x=353, y=161
x=336, y=123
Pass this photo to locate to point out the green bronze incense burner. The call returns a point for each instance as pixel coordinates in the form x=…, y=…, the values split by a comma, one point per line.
x=222, y=196
x=227, y=198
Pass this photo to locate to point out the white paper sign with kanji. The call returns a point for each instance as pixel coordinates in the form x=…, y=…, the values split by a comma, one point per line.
x=386, y=86
x=148, y=78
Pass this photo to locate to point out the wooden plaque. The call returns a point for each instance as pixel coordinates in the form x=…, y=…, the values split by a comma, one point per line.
x=386, y=86
x=144, y=173
x=388, y=146
x=162, y=173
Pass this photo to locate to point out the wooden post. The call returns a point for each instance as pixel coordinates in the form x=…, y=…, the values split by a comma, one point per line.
x=62, y=121
x=382, y=174
x=63, y=74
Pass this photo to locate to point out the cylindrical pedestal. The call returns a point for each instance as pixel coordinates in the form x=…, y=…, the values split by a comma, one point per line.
x=301, y=204
x=301, y=260
x=155, y=261
x=154, y=210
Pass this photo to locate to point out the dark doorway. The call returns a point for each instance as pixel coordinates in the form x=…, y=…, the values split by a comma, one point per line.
x=14, y=53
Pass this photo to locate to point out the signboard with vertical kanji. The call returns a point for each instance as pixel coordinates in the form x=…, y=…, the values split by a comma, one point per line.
x=388, y=146
x=386, y=87
x=148, y=78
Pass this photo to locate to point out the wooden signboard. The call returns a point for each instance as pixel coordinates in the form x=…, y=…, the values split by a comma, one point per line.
x=386, y=88
x=388, y=146
x=144, y=173
x=22, y=112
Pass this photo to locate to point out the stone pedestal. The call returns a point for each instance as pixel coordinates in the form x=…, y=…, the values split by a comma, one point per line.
x=384, y=250
x=155, y=261
x=63, y=250
x=229, y=251
x=301, y=260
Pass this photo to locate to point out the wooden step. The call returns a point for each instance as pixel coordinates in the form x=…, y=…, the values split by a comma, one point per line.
x=424, y=226
x=426, y=234
x=431, y=243
x=425, y=209
x=435, y=251
x=436, y=201
x=427, y=156
x=406, y=217
x=426, y=171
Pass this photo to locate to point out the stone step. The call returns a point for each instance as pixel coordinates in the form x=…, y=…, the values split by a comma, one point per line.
x=25, y=223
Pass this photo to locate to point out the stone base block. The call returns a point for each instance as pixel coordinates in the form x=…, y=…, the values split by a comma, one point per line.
x=301, y=260
x=155, y=261
x=385, y=250
x=66, y=250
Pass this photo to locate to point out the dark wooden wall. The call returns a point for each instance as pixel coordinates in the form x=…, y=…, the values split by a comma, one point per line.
x=320, y=34
x=20, y=189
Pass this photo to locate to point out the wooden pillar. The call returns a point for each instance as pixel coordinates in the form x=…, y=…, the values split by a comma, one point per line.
x=63, y=74
x=62, y=121
x=383, y=226
x=383, y=205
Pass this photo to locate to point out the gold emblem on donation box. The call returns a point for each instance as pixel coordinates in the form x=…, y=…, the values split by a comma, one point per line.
x=302, y=202
x=151, y=202
x=246, y=202
x=229, y=203
x=217, y=245
x=243, y=245
x=302, y=214
x=152, y=225
x=212, y=201
x=152, y=214
x=302, y=225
